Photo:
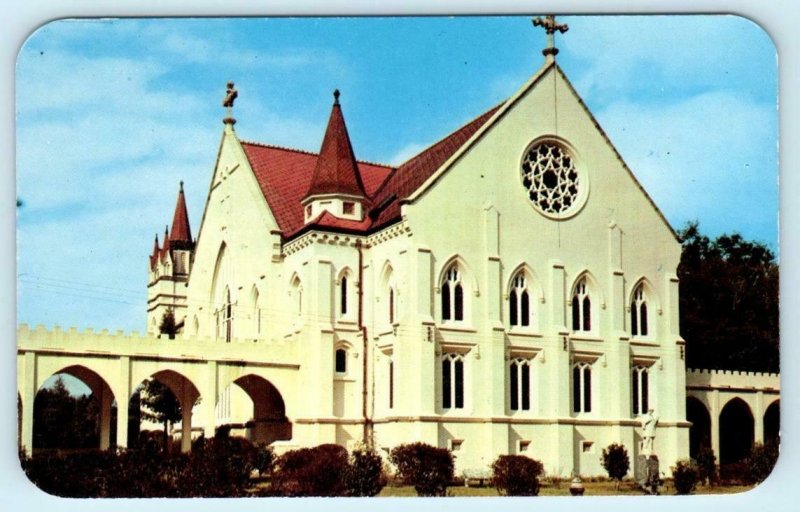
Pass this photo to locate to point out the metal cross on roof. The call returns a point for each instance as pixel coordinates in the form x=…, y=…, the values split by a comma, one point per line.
x=230, y=96
x=548, y=23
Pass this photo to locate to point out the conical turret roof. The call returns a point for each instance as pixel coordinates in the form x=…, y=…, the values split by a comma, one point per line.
x=181, y=231
x=336, y=171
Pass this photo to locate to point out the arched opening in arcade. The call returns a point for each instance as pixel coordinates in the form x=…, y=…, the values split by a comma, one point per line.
x=74, y=409
x=251, y=406
x=700, y=432
x=160, y=412
x=772, y=423
x=736, y=431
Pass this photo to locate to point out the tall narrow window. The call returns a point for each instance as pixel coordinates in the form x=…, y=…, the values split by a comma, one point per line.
x=228, y=316
x=391, y=305
x=452, y=381
x=391, y=384
x=639, y=312
x=297, y=296
x=519, y=302
x=640, y=383
x=520, y=385
x=581, y=308
x=341, y=360
x=343, y=296
x=453, y=295
x=582, y=387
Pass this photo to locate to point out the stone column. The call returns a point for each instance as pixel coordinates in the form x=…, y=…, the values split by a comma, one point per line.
x=187, y=401
x=758, y=417
x=123, y=399
x=28, y=397
x=106, y=397
x=714, y=413
x=209, y=394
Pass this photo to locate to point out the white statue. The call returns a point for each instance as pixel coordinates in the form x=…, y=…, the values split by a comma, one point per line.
x=649, y=422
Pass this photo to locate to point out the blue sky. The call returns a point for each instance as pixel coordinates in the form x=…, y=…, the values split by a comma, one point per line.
x=111, y=115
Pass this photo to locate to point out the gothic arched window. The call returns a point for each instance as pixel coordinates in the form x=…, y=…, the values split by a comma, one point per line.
x=341, y=360
x=640, y=384
x=581, y=308
x=227, y=316
x=639, y=320
x=452, y=295
x=582, y=387
x=519, y=304
x=519, y=385
x=452, y=381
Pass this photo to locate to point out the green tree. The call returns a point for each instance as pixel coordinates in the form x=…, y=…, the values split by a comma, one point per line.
x=729, y=302
x=160, y=405
x=62, y=420
x=616, y=462
x=168, y=325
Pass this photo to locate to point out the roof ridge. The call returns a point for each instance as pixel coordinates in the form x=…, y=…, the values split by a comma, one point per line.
x=311, y=153
x=454, y=131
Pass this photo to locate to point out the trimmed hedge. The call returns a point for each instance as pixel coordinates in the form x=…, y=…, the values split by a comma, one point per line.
x=427, y=468
x=616, y=462
x=365, y=475
x=318, y=471
x=217, y=467
x=684, y=476
x=516, y=475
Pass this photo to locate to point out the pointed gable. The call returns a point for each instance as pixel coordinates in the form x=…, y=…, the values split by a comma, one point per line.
x=336, y=171
x=181, y=231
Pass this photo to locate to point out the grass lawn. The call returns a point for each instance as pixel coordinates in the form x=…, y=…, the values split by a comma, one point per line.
x=592, y=489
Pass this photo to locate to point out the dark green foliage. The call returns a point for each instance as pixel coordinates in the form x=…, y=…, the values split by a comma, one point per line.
x=616, y=462
x=65, y=421
x=318, y=471
x=218, y=468
x=221, y=467
x=761, y=461
x=168, y=325
x=684, y=477
x=365, y=476
x=516, y=475
x=428, y=469
x=264, y=459
x=706, y=465
x=728, y=302
x=159, y=405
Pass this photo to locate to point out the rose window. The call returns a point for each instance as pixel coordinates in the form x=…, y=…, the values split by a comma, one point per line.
x=551, y=179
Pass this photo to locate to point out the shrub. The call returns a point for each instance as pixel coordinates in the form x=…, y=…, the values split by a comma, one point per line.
x=516, y=475
x=706, y=465
x=317, y=471
x=616, y=462
x=427, y=468
x=364, y=476
x=264, y=459
x=221, y=467
x=684, y=476
x=761, y=461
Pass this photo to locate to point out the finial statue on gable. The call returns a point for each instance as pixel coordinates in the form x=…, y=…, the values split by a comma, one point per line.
x=548, y=23
x=230, y=96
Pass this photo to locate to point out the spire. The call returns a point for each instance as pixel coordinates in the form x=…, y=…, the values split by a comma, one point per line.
x=336, y=171
x=165, y=249
x=154, y=255
x=181, y=232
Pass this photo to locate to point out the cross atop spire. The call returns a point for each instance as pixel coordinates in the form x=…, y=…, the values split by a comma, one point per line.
x=548, y=23
x=230, y=96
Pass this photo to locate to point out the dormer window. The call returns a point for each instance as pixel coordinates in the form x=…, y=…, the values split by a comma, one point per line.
x=308, y=211
x=348, y=208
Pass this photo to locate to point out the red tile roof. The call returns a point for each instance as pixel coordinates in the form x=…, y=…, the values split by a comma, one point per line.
x=181, y=232
x=335, y=172
x=285, y=177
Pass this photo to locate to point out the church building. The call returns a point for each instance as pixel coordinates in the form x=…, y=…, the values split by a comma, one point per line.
x=511, y=289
